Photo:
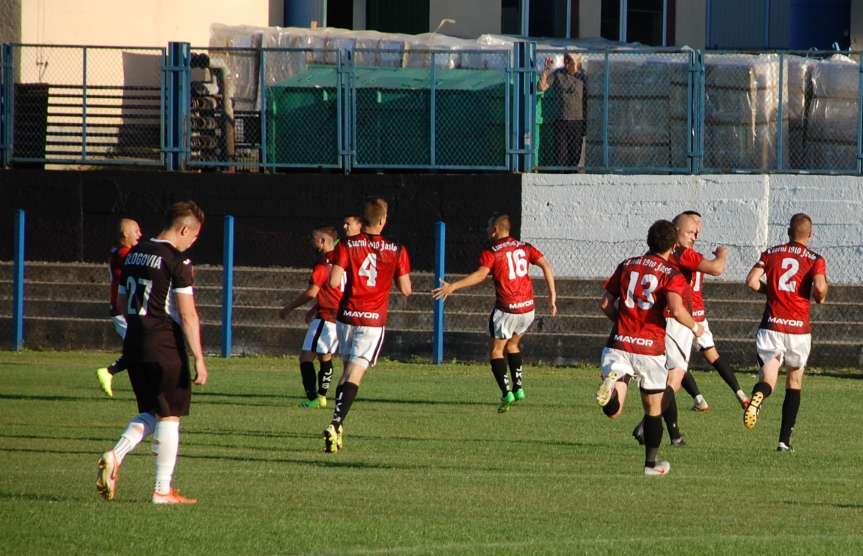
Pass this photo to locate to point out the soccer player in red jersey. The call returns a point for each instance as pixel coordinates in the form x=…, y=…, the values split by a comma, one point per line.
x=352, y=225
x=793, y=274
x=130, y=234
x=370, y=263
x=321, y=340
x=635, y=299
x=507, y=260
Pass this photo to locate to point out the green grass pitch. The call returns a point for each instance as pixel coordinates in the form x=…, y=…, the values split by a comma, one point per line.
x=429, y=467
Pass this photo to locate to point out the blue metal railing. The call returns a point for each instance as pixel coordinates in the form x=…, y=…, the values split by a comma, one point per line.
x=473, y=110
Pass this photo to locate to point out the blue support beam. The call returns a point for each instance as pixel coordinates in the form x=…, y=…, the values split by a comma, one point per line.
x=439, y=273
x=228, y=288
x=18, y=282
x=179, y=98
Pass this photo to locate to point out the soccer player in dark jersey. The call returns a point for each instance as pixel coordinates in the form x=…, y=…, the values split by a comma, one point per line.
x=507, y=260
x=321, y=340
x=635, y=300
x=129, y=234
x=156, y=294
x=793, y=273
x=369, y=263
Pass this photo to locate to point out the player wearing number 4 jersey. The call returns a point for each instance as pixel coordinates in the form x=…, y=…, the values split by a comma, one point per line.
x=508, y=261
x=793, y=274
x=370, y=263
x=635, y=299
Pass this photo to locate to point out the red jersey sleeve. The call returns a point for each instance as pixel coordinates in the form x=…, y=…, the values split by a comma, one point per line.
x=612, y=285
x=820, y=267
x=677, y=284
x=320, y=275
x=403, y=265
x=762, y=261
x=341, y=257
x=690, y=259
x=486, y=259
x=533, y=254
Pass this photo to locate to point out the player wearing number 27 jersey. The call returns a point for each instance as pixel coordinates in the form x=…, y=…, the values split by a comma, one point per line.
x=508, y=261
x=370, y=263
x=793, y=274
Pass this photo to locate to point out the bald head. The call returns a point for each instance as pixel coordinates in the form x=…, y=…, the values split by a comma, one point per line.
x=128, y=232
x=687, y=229
x=800, y=228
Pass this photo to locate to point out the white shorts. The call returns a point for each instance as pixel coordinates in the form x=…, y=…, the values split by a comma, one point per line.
x=792, y=349
x=678, y=344
x=119, y=322
x=705, y=341
x=321, y=337
x=649, y=370
x=360, y=344
x=504, y=326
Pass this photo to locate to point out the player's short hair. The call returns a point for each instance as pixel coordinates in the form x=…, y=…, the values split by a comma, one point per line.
x=327, y=230
x=374, y=210
x=684, y=214
x=661, y=236
x=501, y=219
x=120, y=225
x=800, y=226
x=182, y=210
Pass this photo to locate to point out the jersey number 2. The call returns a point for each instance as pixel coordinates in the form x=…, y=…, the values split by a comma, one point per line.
x=138, y=296
x=790, y=266
x=517, y=262
x=649, y=283
x=369, y=269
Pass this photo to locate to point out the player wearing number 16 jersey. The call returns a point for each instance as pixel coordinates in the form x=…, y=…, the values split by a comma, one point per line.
x=370, y=263
x=635, y=299
x=793, y=273
x=508, y=261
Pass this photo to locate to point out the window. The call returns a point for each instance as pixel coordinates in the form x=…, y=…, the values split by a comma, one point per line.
x=643, y=20
x=547, y=18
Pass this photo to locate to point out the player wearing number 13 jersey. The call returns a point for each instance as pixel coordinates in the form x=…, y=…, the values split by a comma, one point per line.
x=793, y=274
x=635, y=299
x=508, y=261
x=370, y=263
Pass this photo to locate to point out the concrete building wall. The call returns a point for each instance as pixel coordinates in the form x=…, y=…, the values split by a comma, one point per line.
x=856, y=24
x=690, y=23
x=10, y=22
x=472, y=19
x=587, y=224
x=589, y=18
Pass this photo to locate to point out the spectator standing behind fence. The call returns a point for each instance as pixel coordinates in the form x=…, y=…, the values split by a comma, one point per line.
x=568, y=85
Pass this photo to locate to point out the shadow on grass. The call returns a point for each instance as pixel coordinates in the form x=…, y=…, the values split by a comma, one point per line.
x=839, y=505
x=35, y=497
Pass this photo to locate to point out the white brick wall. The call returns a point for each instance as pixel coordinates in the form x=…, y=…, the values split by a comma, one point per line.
x=586, y=224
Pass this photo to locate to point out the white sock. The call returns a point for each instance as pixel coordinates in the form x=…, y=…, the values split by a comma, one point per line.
x=699, y=399
x=168, y=440
x=137, y=430
x=741, y=395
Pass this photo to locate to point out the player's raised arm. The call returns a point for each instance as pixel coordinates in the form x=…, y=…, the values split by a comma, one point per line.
x=310, y=293
x=716, y=265
x=753, y=280
x=548, y=273
x=472, y=279
x=191, y=325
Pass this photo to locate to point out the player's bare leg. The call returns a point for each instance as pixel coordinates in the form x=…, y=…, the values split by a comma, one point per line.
x=346, y=392
x=513, y=358
x=496, y=347
x=711, y=355
x=652, y=402
x=761, y=391
x=790, y=407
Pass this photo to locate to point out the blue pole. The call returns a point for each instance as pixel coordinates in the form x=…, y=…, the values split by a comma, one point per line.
x=439, y=272
x=228, y=287
x=84, y=107
x=18, y=279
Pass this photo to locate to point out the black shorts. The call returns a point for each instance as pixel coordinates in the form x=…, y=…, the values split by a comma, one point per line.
x=162, y=388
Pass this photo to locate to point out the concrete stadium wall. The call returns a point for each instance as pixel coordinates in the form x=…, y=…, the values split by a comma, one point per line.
x=587, y=224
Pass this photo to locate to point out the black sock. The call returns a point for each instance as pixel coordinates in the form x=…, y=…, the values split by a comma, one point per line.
x=514, y=360
x=762, y=387
x=325, y=376
x=689, y=384
x=345, y=395
x=118, y=366
x=307, y=371
x=652, y=438
x=727, y=374
x=669, y=413
x=789, y=414
x=498, y=369
x=613, y=405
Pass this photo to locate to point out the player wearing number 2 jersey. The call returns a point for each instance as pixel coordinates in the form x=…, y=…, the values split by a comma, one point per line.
x=793, y=274
x=370, y=263
x=635, y=299
x=508, y=261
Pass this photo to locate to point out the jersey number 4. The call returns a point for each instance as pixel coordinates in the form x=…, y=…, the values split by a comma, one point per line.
x=649, y=283
x=138, y=297
x=517, y=262
x=369, y=269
